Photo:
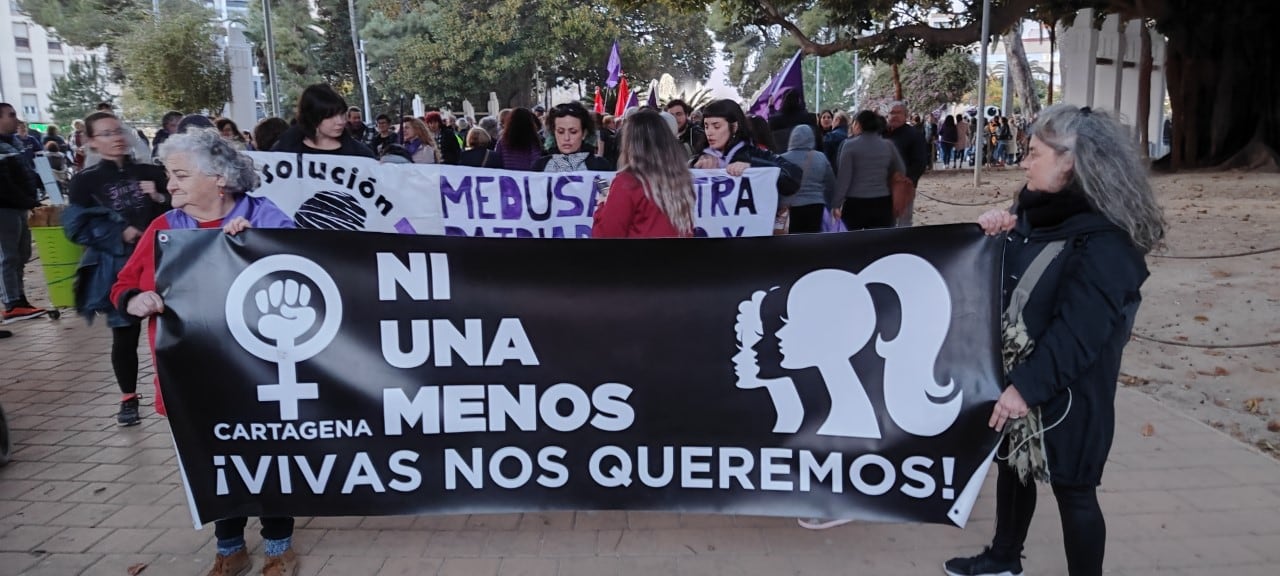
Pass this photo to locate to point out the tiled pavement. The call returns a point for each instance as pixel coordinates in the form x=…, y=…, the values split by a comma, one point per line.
x=85, y=497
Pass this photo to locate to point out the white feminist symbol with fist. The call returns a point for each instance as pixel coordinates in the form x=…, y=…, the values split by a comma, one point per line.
x=287, y=315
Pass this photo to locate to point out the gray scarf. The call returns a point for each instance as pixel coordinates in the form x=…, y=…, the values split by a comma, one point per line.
x=567, y=162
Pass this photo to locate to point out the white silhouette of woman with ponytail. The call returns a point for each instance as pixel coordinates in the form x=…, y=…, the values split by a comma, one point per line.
x=830, y=317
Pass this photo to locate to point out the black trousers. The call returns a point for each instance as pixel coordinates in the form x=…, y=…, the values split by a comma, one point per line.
x=863, y=213
x=272, y=528
x=806, y=219
x=1084, y=532
x=124, y=356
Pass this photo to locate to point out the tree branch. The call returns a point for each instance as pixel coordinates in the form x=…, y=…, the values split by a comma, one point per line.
x=1002, y=17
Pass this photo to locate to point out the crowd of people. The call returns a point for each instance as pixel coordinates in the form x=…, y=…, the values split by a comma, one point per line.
x=1086, y=188
x=1004, y=139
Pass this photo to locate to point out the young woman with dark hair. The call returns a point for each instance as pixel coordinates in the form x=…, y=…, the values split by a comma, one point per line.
x=731, y=148
x=322, y=126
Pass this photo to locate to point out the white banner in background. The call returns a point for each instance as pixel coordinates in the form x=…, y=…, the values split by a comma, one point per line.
x=353, y=193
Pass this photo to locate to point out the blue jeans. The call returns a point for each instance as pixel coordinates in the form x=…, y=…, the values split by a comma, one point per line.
x=998, y=155
x=15, y=251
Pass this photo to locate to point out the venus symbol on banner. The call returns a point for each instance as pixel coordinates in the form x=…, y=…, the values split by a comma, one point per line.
x=831, y=317
x=286, y=312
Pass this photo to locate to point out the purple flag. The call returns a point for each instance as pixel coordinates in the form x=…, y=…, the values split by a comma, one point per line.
x=614, y=67
x=791, y=77
x=761, y=106
x=634, y=102
x=653, y=95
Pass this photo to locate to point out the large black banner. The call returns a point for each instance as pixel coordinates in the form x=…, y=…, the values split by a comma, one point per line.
x=320, y=373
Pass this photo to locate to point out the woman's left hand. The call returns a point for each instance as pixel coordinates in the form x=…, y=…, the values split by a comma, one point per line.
x=737, y=168
x=1009, y=406
x=237, y=225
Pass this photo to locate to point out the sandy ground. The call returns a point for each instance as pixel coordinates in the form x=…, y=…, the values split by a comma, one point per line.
x=1216, y=307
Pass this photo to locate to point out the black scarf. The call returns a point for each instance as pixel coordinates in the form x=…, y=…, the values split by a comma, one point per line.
x=1044, y=209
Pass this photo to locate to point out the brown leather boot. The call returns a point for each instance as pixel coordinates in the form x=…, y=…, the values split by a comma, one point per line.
x=237, y=564
x=283, y=565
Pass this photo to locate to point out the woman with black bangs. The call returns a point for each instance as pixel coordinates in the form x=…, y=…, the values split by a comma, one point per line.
x=730, y=147
x=321, y=127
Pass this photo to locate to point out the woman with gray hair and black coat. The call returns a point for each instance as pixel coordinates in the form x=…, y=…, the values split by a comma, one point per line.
x=208, y=181
x=1074, y=255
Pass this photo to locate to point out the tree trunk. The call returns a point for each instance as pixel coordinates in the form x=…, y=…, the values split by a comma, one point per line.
x=1145, y=67
x=1053, y=47
x=1223, y=71
x=1019, y=70
x=897, y=82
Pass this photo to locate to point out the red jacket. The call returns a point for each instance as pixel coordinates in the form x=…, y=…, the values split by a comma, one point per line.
x=628, y=213
x=138, y=276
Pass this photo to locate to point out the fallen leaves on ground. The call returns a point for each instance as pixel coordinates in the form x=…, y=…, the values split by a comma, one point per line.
x=1201, y=318
x=1218, y=371
x=1131, y=380
x=1253, y=405
x=137, y=569
x=1148, y=430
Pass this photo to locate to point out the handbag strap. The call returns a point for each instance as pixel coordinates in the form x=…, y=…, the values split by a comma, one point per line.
x=1022, y=292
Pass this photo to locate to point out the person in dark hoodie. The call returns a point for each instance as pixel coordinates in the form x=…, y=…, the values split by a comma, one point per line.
x=793, y=113
x=816, y=185
x=321, y=127
x=731, y=148
x=1085, y=221
x=111, y=203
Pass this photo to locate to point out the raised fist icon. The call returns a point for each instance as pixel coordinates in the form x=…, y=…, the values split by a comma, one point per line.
x=286, y=311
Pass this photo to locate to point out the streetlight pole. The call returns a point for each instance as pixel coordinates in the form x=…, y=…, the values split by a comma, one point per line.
x=358, y=47
x=271, y=58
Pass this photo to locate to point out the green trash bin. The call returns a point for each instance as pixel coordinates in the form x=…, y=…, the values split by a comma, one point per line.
x=59, y=257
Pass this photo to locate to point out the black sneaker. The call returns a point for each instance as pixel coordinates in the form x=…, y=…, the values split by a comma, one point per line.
x=984, y=564
x=128, y=415
x=5, y=334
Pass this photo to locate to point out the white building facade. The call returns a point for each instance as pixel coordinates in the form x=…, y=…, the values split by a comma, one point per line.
x=31, y=59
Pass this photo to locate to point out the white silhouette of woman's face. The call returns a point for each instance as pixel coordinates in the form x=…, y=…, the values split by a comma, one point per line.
x=830, y=317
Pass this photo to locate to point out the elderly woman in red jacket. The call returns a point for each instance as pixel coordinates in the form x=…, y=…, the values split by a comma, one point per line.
x=208, y=180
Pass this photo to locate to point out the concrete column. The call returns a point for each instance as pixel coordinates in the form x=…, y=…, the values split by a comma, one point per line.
x=240, y=60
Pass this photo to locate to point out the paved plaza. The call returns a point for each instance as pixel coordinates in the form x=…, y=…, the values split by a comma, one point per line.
x=84, y=496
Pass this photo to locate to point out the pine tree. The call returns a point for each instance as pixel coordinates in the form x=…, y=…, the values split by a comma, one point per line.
x=76, y=95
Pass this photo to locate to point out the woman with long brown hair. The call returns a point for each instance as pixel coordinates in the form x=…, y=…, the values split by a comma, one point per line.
x=418, y=141
x=652, y=195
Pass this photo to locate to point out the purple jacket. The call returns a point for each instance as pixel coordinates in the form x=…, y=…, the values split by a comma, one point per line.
x=260, y=212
